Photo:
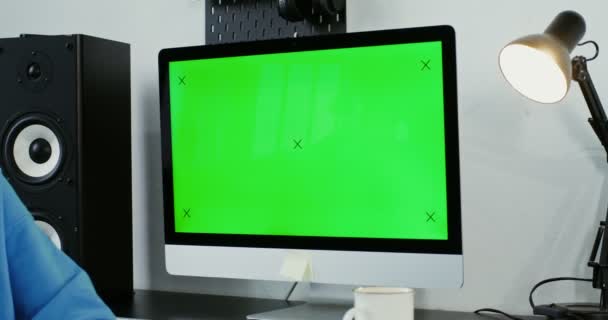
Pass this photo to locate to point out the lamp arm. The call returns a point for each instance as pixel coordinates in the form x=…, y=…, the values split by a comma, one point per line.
x=598, y=120
x=599, y=123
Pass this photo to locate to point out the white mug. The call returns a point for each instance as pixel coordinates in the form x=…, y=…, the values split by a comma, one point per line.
x=377, y=303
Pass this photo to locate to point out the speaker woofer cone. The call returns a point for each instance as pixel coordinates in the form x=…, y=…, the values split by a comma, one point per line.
x=34, y=149
x=51, y=226
x=51, y=232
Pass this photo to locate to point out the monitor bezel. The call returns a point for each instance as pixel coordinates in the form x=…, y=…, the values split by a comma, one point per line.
x=445, y=34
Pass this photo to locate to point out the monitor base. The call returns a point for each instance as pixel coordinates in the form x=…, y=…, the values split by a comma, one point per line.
x=307, y=311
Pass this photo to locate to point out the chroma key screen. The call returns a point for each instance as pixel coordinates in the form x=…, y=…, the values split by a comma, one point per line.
x=326, y=143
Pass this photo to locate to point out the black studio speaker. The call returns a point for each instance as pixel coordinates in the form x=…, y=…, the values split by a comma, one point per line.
x=65, y=130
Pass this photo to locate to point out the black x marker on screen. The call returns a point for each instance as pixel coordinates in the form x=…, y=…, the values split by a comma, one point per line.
x=425, y=64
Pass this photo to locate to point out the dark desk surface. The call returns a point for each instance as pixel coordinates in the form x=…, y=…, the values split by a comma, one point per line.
x=167, y=305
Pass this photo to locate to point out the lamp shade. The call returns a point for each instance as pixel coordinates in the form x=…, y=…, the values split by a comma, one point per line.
x=539, y=66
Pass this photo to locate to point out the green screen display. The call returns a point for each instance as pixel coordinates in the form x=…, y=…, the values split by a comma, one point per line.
x=332, y=143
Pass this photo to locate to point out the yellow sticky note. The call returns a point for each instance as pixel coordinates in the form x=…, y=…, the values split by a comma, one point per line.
x=297, y=266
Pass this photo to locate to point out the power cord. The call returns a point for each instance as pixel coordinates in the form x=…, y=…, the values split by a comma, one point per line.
x=597, y=49
x=551, y=310
x=538, y=285
x=490, y=310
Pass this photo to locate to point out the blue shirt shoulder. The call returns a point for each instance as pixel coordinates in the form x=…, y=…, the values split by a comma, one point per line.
x=37, y=280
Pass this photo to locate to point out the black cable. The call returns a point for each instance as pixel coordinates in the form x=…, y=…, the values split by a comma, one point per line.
x=597, y=49
x=531, y=299
x=490, y=310
x=293, y=287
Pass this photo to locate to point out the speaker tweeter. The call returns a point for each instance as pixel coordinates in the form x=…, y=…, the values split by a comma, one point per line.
x=35, y=72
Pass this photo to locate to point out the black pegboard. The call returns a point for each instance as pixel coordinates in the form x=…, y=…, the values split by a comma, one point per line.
x=249, y=20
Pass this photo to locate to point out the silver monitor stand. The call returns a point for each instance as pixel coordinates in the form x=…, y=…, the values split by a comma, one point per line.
x=307, y=311
x=325, y=302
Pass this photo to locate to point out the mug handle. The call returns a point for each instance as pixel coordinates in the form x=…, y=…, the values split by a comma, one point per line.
x=352, y=313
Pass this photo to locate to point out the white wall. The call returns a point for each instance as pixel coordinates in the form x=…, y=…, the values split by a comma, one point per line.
x=533, y=176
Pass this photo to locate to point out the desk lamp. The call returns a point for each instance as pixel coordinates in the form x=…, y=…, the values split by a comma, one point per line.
x=540, y=68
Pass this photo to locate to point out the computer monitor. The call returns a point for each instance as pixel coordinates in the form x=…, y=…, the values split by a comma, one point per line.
x=340, y=148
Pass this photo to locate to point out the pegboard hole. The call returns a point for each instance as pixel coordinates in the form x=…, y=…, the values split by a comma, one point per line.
x=243, y=20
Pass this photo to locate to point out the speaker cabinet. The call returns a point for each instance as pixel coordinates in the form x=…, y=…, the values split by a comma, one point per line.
x=65, y=121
